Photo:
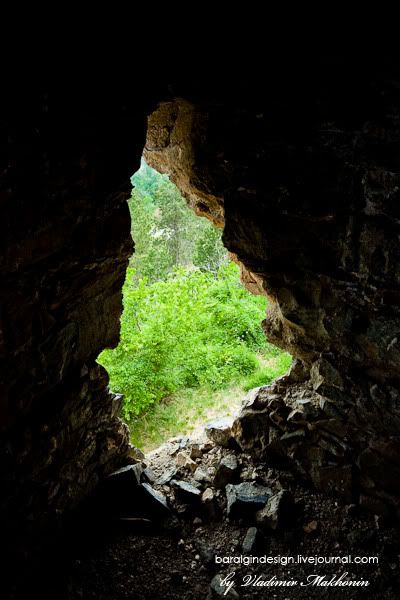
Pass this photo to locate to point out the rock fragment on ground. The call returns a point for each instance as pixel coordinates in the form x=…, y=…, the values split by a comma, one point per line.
x=184, y=460
x=202, y=475
x=153, y=503
x=226, y=471
x=126, y=476
x=244, y=499
x=310, y=527
x=149, y=476
x=220, y=431
x=167, y=475
x=186, y=491
x=251, y=541
x=278, y=512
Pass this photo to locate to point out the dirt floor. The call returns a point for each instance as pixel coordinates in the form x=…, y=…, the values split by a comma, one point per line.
x=174, y=567
x=178, y=559
x=181, y=566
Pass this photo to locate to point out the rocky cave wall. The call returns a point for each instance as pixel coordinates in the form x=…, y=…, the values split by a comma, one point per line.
x=307, y=190
x=65, y=242
x=303, y=173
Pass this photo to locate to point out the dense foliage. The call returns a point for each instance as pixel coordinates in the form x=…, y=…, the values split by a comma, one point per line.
x=187, y=320
x=195, y=328
x=166, y=232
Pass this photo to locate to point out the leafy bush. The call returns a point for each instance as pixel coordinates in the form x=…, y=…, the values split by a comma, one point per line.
x=267, y=374
x=192, y=329
x=187, y=320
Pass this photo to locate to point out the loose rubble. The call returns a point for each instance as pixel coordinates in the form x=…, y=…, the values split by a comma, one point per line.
x=278, y=511
x=214, y=500
x=226, y=471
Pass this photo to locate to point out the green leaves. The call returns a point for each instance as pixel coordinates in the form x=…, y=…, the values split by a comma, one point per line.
x=191, y=330
x=167, y=233
x=187, y=320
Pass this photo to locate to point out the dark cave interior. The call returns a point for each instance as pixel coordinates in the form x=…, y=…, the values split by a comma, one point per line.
x=304, y=177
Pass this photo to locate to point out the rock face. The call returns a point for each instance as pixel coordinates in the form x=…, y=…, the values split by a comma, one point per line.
x=65, y=242
x=310, y=195
x=305, y=181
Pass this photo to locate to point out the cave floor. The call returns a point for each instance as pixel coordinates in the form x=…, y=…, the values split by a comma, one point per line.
x=162, y=566
x=128, y=561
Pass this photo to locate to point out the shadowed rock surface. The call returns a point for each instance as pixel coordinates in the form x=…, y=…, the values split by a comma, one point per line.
x=304, y=177
x=307, y=192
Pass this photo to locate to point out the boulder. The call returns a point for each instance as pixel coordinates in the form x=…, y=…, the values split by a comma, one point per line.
x=244, y=499
x=202, y=474
x=186, y=492
x=250, y=430
x=184, y=460
x=167, y=475
x=117, y=494
x=153, y=503
x=126, y=476
x=226, y=471
x=149, y=476
x=220, y=431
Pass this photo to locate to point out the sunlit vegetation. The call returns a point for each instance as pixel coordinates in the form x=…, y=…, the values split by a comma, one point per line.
x=190, y=332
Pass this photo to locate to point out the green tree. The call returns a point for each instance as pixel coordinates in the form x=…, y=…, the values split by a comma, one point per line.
x=209, y=252
x=167, y=234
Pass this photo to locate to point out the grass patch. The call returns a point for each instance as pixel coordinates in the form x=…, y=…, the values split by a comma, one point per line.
x=271, y=369
x=185, y=412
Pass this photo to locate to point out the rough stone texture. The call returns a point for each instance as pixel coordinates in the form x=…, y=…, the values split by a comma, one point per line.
x=249, y=544
x=186, y=490
x=219, y=431
x=64, y=247
x=278, y=511
x=172, y=146
x=307, y=187
x=303, y=173
x=245, y=498
x=226, y=471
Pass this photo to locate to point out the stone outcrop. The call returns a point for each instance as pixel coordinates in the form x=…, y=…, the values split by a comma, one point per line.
x=65, y=242
x=308, y=195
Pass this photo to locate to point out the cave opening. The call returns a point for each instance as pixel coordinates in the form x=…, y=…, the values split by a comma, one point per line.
x=304, y=179
x=191, y=345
